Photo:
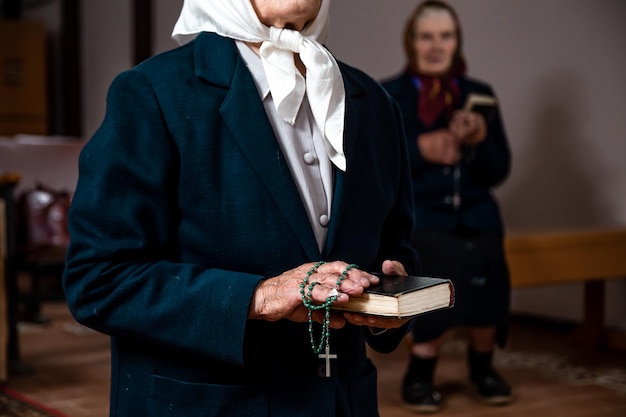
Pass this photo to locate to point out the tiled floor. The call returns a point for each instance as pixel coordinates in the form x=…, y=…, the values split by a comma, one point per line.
x=551, y=376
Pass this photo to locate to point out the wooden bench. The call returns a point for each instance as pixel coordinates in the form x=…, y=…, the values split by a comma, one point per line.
x=588, y=256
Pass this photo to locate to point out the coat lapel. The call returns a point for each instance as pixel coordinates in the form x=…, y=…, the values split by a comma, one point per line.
x=343, y=179
x=218, y=61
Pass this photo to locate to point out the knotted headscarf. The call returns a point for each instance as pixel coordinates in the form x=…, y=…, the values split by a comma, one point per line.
x=438, y=97
x=323, y=84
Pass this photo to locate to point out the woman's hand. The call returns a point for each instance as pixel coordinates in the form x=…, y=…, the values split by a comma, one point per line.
x=279, y=297
x=469, y=128
x=376, y=322
x=389, y=268
x=439, y=147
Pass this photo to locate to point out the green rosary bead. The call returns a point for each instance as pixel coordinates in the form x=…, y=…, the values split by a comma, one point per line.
x=306, y=292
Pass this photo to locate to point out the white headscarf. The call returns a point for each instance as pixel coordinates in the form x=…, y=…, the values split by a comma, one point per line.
x=323, y=85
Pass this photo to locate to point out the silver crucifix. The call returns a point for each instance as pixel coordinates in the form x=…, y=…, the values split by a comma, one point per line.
x=328, y=356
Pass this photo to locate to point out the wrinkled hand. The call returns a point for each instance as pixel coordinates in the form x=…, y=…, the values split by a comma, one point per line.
x=279, y=297
x=469, y=128
x=389, y=268
x=439, y=147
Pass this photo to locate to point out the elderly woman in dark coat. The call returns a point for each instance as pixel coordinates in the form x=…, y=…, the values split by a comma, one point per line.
x=457, y=157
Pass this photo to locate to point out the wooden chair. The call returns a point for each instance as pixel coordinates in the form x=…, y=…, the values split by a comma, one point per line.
x=42, y=242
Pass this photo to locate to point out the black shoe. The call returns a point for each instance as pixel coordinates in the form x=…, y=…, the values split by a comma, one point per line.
x=492, y=388
x=421, y=397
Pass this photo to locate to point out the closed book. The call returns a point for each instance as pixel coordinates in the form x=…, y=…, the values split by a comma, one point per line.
x=401, y=297
x=482, y=104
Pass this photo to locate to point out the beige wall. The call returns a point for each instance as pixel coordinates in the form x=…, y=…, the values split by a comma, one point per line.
x=558, y=67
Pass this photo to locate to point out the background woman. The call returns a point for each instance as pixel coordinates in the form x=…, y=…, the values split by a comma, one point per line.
x=456, y=157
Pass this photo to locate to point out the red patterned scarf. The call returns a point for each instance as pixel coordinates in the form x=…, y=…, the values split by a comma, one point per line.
x=438, y=97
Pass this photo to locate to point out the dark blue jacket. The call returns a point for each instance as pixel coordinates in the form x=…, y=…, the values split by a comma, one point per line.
x=483, y=167
x=185, y=203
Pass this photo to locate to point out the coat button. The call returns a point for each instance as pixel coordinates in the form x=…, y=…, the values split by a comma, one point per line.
x=324, y=220
x=448, y=199
x=309, y=158
x=478, y=281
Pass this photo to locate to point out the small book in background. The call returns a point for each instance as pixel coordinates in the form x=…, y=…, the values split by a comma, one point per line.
x=402, y=297
x=483, y=104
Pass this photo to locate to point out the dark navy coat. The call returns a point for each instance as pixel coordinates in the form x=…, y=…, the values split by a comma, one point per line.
x=185, y=202
x=463, y=242
x=484, y=167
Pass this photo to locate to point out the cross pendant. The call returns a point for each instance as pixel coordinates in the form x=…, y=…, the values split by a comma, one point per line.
x=328, y=356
